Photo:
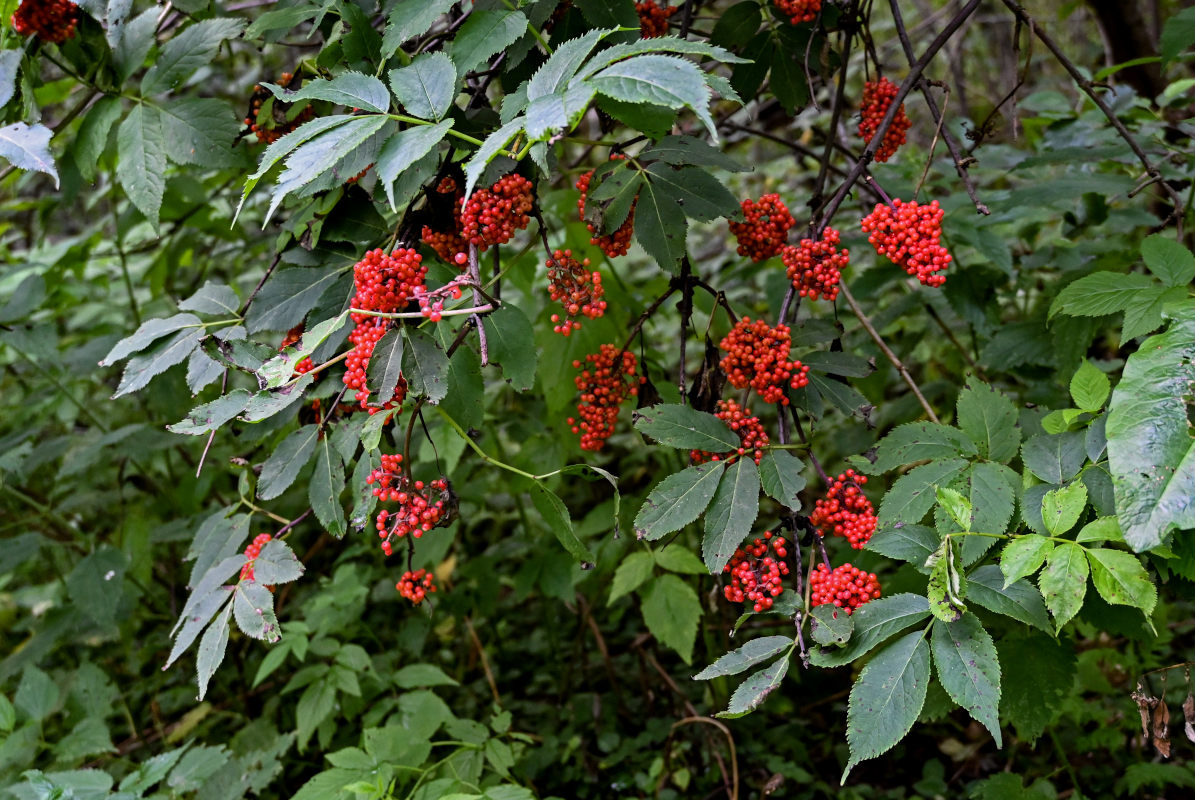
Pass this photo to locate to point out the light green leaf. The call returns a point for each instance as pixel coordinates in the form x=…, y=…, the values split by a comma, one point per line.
x=1023, y=555
x=212, y=298
x=753, y=652
x=969, y=669
x=990, y=419
x=1143, y=314
x=678, y=500
x=141, y=146
x=947, y=587
x=632, y=573
x=671, y=611
x=277, y=563
x=418, y=676
x=958, y=507
x=1178, y=34
x=660, y=80
x=427, y=86
x=731, y=515
x=28, y=147
x=490, y=149
x=1061, y=508
x=1104, y=529
x=676, y=558
x=1090, y=388
x=253, y=610
x=553, y=76
x=686, y=428
x=211, y=650
x=324, y=153
x=1064, y=582
x=1121, y=580
x=887, y=698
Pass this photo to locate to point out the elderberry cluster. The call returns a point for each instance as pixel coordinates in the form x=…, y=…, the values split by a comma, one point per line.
x=415, y=586
x=815, y=268
x=417, y=511
x=877, y=99
x=799, y=11
x=493, y=215
x=279, y=124
x=757, y=357
x=49, y=20
x=612, y=244
x=292, y=337
x=653, y=18
x=845, y=587
x=576, y=288
x=755, y=576
x=910, y=236
x=448, y=244
x=750, y=430
x=765, y=229
x=251, y=553
x=845, y=511
x=606, y=380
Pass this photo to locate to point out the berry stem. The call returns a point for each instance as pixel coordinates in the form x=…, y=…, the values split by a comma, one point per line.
x=452, y=312
x=483, y=455
x=475, y=279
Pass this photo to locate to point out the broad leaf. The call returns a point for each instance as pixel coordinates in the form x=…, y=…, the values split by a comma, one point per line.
x=1169, y=260
x=558, y=520
x=253, y=610
x=142, y=368
x=385, y=367
x=410, y=18
x=969, y=669
x=1064, y=582
x=199, y=130
x=512, y=345
x=1121, y=580
x=404, y=149
x=209, y=416
x=424, y=366
x=325, y=488
x=1023, y=555
x=351, y=89
x=632, y=573
x=277, y=563
x=686, y=428
x=1089, y=387
x=1060, y=508
x=731, y=515
x=912, y=543
x=427, y=86
x=1056, y=457
x=919, y=441
x=671, y=611
x=1100, y=294
x=874, y=622
x=1019, y=600
x=678, y=500
x=141, y=146
x=990, y=419
x=188, y=53
x=282, y=467
x=753, y=652
x=914, y=493
x=28, y=147
x=887, y=698
x=752, y=692
x=830, y=625
x=780, y=474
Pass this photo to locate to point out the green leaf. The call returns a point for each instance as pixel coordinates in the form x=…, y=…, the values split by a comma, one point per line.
x=1090, y=388
x=146, y=334
x=351, y=89
x=1143, y=314
x=660, y=227
x=830, y=626
x=1064, y=582
x=10, y=64
x=1061, y=508
x=188, y=53
x=731, y=515
x=1099, y=294
x=1151, y=453
x=1104, y=529
x=209, y=416
x=558, y=520
x=405, y=148
x=918, y=441
x=676, y=558
x=28, y=147
x=553, y=76
x=660, y=80
x=287, y=144
x=141, y=147
x=780, y=474
x=211, y=650
x=671, y=611
x=678, y=500
x=632, y=573
x=660, y=44
x=512, y=345
x=1178, y=34
x=947, y=586
x=887, y=698
x=325, y=488
x=874, y=622
x=427, y=86
x=212, y=298
x=410, y=18
x=1121, y=580
x=1023, y=555
x=483, y=35
x=697, y=194
x=417, y=676
x=1038, y=680
x=753, y=652
x=913, y=494
x=200, y=130
x=277, y=563
x=490, y=149
x=425, y=366
x=266, y=404
x=686, y=428
x=1019, y=600
x=752, y=692
x=737, y=25
x=315, y=704
x=323, y=154
x=993, y=500
x=142, y=368
x=990, y=419
x=385, y=367
x=689, y=150
x=253, y=610
x=912, y=543
x=969, y=669
x=1055, y=457
x=92, y=138
x=958, y=507
x=282, y=467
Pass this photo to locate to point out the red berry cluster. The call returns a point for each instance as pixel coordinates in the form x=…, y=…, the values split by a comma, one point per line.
x=757, y=357
x=756, y=576
x=292, y=337
x=384, y=283
x=845, y=511
x=280, y=125
x=799, y=11
x=417, y=512
x=604, y=384
x=846, y=587
x=653, y=18
x=448, y=244
x=416, y=585
x=766, y=227
x=431, y=304
x=910, y=236
x=49, y=20
x=251, y=553
x=612, y=244
x=493, y=215
x=750, y=430
x=574, y=286
x=877, y=98
x=815, y=268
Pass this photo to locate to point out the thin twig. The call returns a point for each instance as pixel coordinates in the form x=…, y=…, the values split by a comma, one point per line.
x=485, y=661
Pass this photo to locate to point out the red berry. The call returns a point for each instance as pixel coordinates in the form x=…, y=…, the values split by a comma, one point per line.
x=576, y=288
x=815, y=268
x=49, y=20
x=763, y=233
x=416, y=585
x=757, y=358
x=750, y=430
x=877, y=99
x=420, y=507
x=604, y=384
x=845, y=511
x=251, y=553
x=493, y=215
x=755, y=576
x=799, y=11
x=653, y=18
x=845, y=587
x=910, y=236
x=277, y=125
x=612, y=244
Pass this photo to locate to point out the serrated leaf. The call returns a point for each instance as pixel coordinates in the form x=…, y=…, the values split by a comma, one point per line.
x=659, y=44
x=322, y=154
x=752, y=692
x=287, y=144
x=1023, y=555
x=404, y=149
x=1099, y=294
x=1064, y=582
x=912, y=543
x=410, y=18
x=671, y=611
x=1019, y=600
x=1143, y=313
x=780, y=474
x=947, y=587
x=632, y=573
x=731, y=514
x=660, y=80
x=678, y=500
x=277, y=563
x=211, y=650
x=874, y=622
x=1172, y=263
x=385, y=367
x=201, y=608
x=696, y=193
x=209, y=416
x=919, y=441
x=512, y=345
x=28, y=147
x=1061, y=508
x=958, y=507
x=485, y=34
x=427, y=86
x=659, y=227
x=1089, y=387
x=969, y=669
x=10, y=63
x=325, y=488
x=753, y=652
x=280, y=369
x=352, y=89
x=913, y=494
x=253, y=610
x=887, y=698
x=282, y=467
x=189, y=52
x=488, y=151
x=554, y=74
x=686, y=428
x=992, y=493
x=1121, y=580
x=266, y=404
x=555, y=514
x=555, y=113
x=200, y=130
x=425, y=366
x=676, y=558
x=1055, y=458
x=1104, y=529
x=142, y=368
x=141, y=147
x=147, y=333
x=689, y=150
x=212, y=298
x=1038, y=680
x=830, y=626
x=990, y=420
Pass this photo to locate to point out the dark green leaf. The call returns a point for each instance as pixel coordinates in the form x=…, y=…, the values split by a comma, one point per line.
x=731, y=515
x=209, y=416
x=142, y=368
x=1038, y=680
x=1064, y=582
x=689, y=151
x=512, y=345
x=919, y=441
x=671, y=611
x=1019, y=600
x=912, y=543
x=753, y=652
x=660, y=227
x=830, y=626
x=695, y=192
x=1099, y=294
x=780, y=474
x=277, y=563
x=282, y=467
x=351, y=89
x=211, y=650
x=199, y=130
x=483, y=35
x=659, y=80
x=385, y=367
x=415, y=676
x=410, y=18
x=992, y=493
x=1178, y=34
x=188, y=53
x=141, y=145
x=686, y=428
x=969, y=669
x=325, y=488
x=557, y=518
x=1143, y=313
x=1055, y=458
x=887, y=698
x=874, y=622
x=424, y=365
x=913, y=494
x=147, y=333
x=737, y=25
x=678, y=500
x=990, y=419
x=752, y=692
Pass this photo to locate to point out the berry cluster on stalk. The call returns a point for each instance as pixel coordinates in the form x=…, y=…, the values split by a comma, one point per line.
x=606, y=381
x=49, y=20
x=910, y=235
x=493, y=215
x=385, y=284
x=750, y=430
x=448, y=243
x=421, y=506
x=845, y=511
x=877, y=99
x=755, y=576
x=612, y=244
x=815, y=268
x=845, y=587
x=293, y=336
x=765, y=229
x=799, y=11
x=280, y=125
x=415, y=586
x=757, y=357
x=251, y=553
x=653, y=18
x=576, y=288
